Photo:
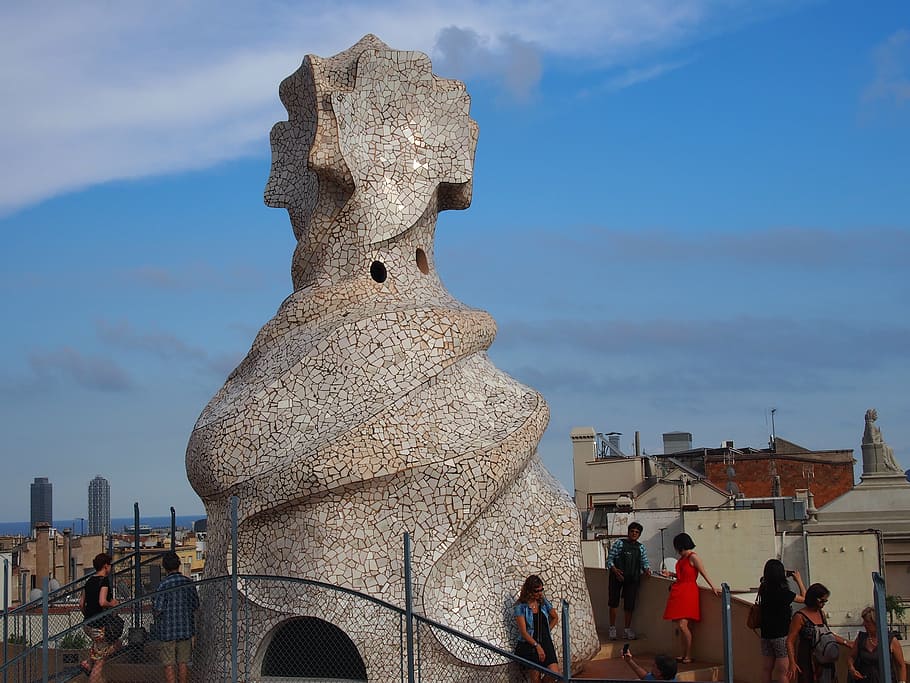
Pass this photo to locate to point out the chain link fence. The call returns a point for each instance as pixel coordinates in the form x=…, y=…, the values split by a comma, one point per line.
x=347, y=636
x=257, y=629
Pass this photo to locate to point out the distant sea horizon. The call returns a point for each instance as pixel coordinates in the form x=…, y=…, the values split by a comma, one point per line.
x=80, y=525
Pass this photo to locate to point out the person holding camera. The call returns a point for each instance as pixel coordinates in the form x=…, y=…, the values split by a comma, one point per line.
x=664, y=668
x=775, y=598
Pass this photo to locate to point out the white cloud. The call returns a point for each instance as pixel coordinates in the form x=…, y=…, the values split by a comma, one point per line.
x=641, y=74
x=95, y=92
x=466, y=53
x=891, y=83
x=90, y=372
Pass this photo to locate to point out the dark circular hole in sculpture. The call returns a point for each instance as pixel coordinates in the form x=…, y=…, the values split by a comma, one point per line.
x=308, y=647
x=378, y=271
x=422, y=261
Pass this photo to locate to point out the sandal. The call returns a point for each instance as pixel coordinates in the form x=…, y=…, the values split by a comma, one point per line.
x=685, y=660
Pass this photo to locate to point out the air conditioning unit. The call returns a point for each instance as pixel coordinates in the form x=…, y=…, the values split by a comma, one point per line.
x=726, y=444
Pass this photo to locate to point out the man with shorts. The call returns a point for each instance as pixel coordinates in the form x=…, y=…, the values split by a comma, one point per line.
x=626, y=564
x=175, y=604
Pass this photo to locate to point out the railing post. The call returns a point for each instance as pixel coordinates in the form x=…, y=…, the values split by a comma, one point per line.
x=137, y=568
x=727, y=621
x=5, y=618
x=44, y=628
x=566, y=644
x=23, y=588
x=408, y=607
x=173, y=528
x=235, y=636
x=884, y=643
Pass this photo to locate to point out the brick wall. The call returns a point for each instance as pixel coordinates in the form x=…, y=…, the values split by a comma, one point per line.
x=831, y=479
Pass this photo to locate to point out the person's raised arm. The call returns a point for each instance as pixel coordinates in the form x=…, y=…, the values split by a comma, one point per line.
x=628, y=659
x=801, y=596
x=700, y=568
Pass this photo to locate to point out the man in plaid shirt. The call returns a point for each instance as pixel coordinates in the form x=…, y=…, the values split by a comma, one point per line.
x=627, y=563
x=175, y=618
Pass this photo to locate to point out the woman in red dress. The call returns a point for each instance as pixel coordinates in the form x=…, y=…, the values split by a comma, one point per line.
x=683, y=605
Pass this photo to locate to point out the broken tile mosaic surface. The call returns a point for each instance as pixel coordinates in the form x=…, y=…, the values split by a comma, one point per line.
x=367, y=406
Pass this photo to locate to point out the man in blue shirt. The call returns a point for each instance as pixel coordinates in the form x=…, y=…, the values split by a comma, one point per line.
x=626, y=564
x=175, y=604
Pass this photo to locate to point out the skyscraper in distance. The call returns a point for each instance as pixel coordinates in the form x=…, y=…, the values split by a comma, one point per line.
x=99, y=506
x=42, y=502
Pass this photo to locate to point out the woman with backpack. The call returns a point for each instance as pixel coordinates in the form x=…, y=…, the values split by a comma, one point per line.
x=98, y=597
x=812, y=647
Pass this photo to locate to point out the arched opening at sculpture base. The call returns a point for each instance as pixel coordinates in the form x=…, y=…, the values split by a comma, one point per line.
x=310, y=649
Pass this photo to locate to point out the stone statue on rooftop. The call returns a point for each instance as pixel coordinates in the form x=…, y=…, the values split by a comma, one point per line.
x=367, y=406
x=878, y=457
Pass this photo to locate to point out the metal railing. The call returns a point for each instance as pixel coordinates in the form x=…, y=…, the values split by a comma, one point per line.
x=244, y=637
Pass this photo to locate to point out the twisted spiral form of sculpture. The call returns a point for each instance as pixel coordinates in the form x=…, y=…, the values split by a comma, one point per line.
x=367, y=406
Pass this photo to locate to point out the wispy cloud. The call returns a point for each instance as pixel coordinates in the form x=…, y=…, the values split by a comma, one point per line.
x=779, y=246
x=636, y=75
x=165, y=346
x=90, y=372
x=196, y=276
x=765, y=249
x=891, y=82
x=161, y=344
x=680, y=360
x=95, y=93
x=783, y=342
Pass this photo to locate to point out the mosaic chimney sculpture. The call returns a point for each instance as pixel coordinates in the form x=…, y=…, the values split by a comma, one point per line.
x=367, y=407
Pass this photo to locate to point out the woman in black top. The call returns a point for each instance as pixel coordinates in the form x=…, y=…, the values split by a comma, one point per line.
x=96, y=598
x=775, y=597
x=863, y=658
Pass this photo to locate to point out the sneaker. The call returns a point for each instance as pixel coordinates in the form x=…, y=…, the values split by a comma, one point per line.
x=629, y=634
x=612, y=633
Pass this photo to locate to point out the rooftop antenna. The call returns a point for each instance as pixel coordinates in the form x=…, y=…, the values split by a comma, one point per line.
x=773, y=437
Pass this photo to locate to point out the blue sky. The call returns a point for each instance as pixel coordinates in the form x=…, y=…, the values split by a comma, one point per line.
x=686, y=212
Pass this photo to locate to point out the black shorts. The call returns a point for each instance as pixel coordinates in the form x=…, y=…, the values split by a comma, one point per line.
x=627, y=590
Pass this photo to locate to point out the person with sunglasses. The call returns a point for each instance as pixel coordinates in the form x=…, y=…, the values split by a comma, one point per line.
x=535, y=618
x=806, y=628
